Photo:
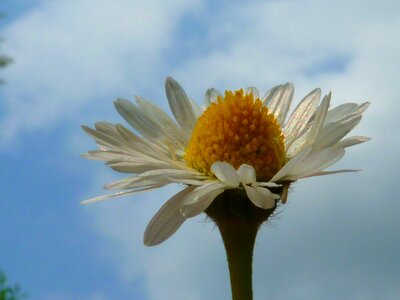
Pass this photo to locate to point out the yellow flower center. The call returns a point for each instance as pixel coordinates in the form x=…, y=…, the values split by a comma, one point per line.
x=237, y=129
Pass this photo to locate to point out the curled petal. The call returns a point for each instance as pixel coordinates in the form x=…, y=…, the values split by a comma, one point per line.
x=197, y=201
x=226, y=173
x=261, y=197
x=247, y=174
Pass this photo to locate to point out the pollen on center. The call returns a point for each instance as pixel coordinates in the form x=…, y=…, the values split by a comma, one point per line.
x=237, y=129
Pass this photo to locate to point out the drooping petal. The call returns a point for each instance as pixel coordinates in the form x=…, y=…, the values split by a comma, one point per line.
x=197, y=201
x=226, y=173
x=247, y=174
x=261, y=197
x=167, y=220
x=180, y=105
x=211, y=96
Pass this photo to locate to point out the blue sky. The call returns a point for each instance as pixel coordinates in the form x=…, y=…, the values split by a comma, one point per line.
x=335, y=239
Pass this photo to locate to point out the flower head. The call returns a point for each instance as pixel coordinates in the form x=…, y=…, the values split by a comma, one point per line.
x=238, y=141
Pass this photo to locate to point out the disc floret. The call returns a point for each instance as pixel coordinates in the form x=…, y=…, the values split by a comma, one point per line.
x=237, y=129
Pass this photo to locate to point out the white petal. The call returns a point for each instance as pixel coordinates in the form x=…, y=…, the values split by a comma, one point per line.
x=111, y=142
x=122, y=193
x=180, y=105
x=167, y=220
x=353, y=140
x=103, y=155
x=340, y=111
x=252, y=90
x=106, y=127
x=318, y=121
x=196, y=109
x=162, y=174
x=345, y=111
x=190, y=181
x=164, y=122
x=266, y=184
x=323, y=173
x=316, y=161
x=124, y=142
x=291, y=164
x=278, y=101
x=247, y=174
x=113, y=156
x=109, y=135
x=129, y=183
x=297, y=144
x=137, y=168
x=197, y=201
x=260, y=197
x=363, y=107
x=334, y=132
x=302, y=114
x=226, y=173
x=137, y=119
x=136, y=158
x=143, y=145
x=270, y=94
x=211, y=96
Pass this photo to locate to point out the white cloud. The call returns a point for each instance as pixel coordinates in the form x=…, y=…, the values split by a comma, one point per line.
x=69, y=56
x=273, y=42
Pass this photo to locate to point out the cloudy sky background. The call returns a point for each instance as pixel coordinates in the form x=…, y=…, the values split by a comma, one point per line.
x=337, y=238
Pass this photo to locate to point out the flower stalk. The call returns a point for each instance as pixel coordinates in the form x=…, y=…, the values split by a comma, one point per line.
x=238, y=221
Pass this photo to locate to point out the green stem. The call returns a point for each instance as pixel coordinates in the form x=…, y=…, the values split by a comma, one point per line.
x=239, y=242
x=238, y=221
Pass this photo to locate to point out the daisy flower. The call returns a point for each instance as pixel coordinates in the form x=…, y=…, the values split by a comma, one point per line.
x=237, y=141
